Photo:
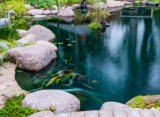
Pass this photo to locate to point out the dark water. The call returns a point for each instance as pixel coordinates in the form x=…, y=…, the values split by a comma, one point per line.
x=120, y=63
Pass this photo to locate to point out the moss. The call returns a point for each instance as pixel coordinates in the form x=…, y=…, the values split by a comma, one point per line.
x=137, y=102
x=13, y=108
x=149, y=101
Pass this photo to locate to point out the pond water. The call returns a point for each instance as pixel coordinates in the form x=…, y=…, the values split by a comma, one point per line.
x=116, y=65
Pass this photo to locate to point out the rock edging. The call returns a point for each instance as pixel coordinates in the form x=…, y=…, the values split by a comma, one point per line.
x=9, y=86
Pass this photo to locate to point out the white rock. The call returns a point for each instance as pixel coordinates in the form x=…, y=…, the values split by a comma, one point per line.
x=102, y=5
x=45, y=99
x=43, y=114
x=66, y=12
x=41, y=33
x=113, y=3
x=76, y=6
x=4, y=45
x=21, y=32
x=47, y=12
x=54, y=7
x=54, y=12
x=28, y=6
x=29, y=38
x=35, y=12
x=40, y=16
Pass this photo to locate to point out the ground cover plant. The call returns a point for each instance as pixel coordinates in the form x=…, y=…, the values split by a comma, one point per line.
x=13, y=108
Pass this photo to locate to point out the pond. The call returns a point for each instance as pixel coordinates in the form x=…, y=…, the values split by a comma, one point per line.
x=114, y=65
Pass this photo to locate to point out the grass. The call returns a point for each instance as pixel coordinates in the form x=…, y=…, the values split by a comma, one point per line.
x=13, y=108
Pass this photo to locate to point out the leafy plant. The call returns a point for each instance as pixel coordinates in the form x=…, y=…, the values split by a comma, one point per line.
x=95, y=26
x=13, y=108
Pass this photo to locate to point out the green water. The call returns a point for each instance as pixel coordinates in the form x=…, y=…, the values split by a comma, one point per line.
x=119, y=63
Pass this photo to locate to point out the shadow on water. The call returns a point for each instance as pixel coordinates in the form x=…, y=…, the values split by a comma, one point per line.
x=120, y=63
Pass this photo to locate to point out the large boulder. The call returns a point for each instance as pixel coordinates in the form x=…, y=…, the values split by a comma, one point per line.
x=55, y=100
x=41, y=33
x=33, y=57
x=66, y=12
x=113, y=3
x=43, y=114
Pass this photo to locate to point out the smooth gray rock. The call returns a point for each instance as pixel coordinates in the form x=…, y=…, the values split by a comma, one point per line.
x=40, y=16
x=76, y=6
x=21, y=32
x=45, y=99
x=30, y=38
x=28, y=6
x=41, y=33
x=4, y=45
x=114, y=3
x=43, y=114
x=47, y=12
x=54, y=12
x=54, y=7
x=114, y=105
x=66, y=12
x=32, y=57
x=35, y=12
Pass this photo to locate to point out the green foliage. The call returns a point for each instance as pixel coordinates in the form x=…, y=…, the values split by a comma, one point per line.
x=16, y=5
x=13, y=108
x=95, y=26
x=157, y=1
x=49, y=3
x=18, y=22
x=137, y=102
x=42, y=3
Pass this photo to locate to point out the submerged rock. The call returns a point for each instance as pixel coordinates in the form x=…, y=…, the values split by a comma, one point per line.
x=41, y=33
x=32, y=57
x=66, y=12
x=43, y=114
x=45, y=99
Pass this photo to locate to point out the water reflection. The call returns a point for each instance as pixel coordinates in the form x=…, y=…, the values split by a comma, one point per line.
x=123, y=62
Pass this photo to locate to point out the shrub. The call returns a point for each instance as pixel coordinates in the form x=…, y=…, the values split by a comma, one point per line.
x=13, y=108
x=95, y=26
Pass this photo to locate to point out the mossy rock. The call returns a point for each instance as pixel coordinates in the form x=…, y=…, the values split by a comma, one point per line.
x=150, y=101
